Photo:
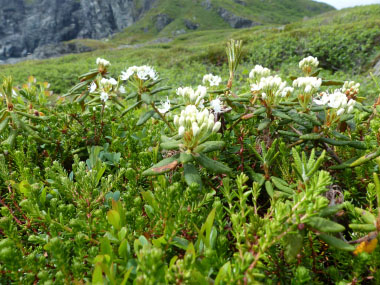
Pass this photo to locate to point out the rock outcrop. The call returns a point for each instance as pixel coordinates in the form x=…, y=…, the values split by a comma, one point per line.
x=26, y=25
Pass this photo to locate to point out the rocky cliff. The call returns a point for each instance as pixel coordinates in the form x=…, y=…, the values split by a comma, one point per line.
x=37, y=28
x=28, y=24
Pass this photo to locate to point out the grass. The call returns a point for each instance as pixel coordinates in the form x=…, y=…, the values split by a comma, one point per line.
x=345, y=47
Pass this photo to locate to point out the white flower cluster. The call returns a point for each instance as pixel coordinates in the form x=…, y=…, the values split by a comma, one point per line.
x=216, y=105
x=102, y=62
x=338, y=101
x=271, y=86
x=308, y=63
x=105, y=86
x=350, y=88
x=108, y=83
x=200, y=123
x=165, y=106
x=258, y=72
x=308, y=84
x=143, y=72
x=192, y=97
x=212, y=80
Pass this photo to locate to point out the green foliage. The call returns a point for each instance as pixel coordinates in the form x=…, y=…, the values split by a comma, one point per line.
x=223, y=184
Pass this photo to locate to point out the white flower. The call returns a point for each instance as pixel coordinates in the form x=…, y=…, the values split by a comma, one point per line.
x=143, y=72
x=340, y=111
x=212, y=80
x=122, y=90
x=92, y=87
x=271, y=86
x=258, y=72
x=104, y=96
x=102, y=62
x=195, y=129
x=325, y=98
x=286, y=91
x=308, y=84
x=192, y=97
x=337, y=101
x=264, y=95
x=216, y=105
x=165, y=106
x=308, y=63
x=125, y=75
x=108, y=82
x=200, y=123
x=350, y=88
x=181, y=131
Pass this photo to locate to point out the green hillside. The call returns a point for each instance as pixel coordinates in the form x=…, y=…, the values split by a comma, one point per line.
x=181, y=16
x=350, y=45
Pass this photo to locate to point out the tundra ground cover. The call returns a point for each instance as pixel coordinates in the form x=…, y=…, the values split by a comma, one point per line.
x=239, y=178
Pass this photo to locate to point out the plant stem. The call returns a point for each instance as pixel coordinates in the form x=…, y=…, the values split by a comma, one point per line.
x=162, y=117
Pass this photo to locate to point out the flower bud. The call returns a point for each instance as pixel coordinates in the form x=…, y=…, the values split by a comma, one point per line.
x=216, y=127
x=181, y=131
x=195, y=129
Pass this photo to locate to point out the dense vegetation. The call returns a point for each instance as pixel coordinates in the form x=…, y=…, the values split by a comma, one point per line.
x=251, y=176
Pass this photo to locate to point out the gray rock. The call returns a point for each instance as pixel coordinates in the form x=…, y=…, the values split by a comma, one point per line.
x=191, y=25
x=162, y=20
x=241, y=2
x=234, y=21
x=26, y=25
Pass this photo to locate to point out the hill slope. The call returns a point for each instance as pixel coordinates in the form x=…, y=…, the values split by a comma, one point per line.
x=28, y=26
x=347, y=41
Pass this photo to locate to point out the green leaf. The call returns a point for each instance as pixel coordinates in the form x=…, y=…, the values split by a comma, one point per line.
x=4, y=124
x=269, y=188
x=146, y=98
x=312, y=136
x=363, y=227
x=207, y=226
x=97, y=275
x=259, y=111
x=160, y=90
x=170, y=145
x=357, y=145
x=185, y=157
x=192, y=175
x=212, y=165
x=163, y=166
x=334, y=142
x=331, y=210
x=366, y=158
x=105, y=246
x=312, y=119
x=264, y=124
x=180, y=243
x=113, y=218
x=25, y=188
x=281, y=115
x=337, y=243
x=282, y=185
x=124, y=249
x=324, y=225
x=293, y=246
x=145, y=117
x=224, y=271
x=130, y=108
x=367, y=217
x=209, y=146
